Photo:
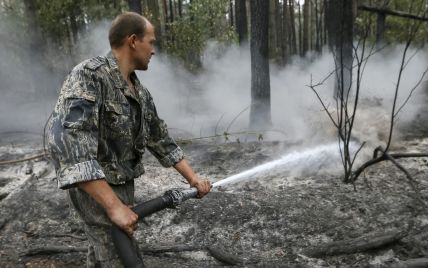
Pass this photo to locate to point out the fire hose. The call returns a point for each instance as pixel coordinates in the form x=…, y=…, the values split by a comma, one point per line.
x=123, y=244
x=171, y=199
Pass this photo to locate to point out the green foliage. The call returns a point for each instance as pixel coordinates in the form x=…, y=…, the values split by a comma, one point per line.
x=202, y=21
x=62, y=18
x=397, y=29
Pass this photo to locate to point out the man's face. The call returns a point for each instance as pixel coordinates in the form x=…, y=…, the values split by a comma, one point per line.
x=145, y=48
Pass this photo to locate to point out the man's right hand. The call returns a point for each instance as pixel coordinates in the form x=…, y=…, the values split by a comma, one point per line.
x=119, y=213
x=124, y=217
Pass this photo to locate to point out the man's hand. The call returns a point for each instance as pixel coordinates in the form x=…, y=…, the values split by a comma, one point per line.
x=119, y=213
x=123, y=217
x=203, y=186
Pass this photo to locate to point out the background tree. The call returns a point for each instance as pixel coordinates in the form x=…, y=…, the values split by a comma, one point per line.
x=241, y=21
x=340, y=27
x=260, y=112
x=135, y=6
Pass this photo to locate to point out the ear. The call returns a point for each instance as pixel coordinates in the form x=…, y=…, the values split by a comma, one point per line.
x=131, y=40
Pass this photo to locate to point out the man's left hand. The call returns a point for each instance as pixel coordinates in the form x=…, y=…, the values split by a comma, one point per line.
x=203, y=186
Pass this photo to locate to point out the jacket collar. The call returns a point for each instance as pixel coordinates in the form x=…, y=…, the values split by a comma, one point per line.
x=119, y=82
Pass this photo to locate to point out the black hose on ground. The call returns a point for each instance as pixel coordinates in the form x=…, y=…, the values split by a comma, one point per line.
x=123, y=244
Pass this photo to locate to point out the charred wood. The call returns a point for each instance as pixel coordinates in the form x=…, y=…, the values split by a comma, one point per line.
x=215, y=252
x=359, y=244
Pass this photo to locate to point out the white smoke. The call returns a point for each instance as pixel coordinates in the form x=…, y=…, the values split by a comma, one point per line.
x=217, y=99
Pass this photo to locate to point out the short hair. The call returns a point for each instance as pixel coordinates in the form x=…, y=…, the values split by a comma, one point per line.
x=125, y=25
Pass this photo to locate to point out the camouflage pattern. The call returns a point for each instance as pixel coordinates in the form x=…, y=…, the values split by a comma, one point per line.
x=97, y=226
x=100, y=127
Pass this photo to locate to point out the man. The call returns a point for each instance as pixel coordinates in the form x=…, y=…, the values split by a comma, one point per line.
x=102, y=123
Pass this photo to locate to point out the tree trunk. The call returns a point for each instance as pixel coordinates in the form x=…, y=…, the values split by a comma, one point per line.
x=260, y=113
x=293, y=45
x=231, y=14
x=380, y=30
x=180, y=8
x=154, y=8
x=36, y=46
x=272, y=29
x=306, y=22
x=171, y=11
x=286, y=32
x=300, y=28
x=318, y=28
x=135, y=6
x=241, y=21
x=340, y=31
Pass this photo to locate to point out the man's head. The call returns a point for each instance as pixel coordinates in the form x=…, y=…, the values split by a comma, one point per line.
x=135, y=35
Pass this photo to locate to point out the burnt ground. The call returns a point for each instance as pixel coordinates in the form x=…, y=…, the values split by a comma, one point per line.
x=271, y=221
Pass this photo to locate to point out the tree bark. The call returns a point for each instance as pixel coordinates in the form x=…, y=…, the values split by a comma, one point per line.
x=272, y=28
x=380, y=30
x=340, y=27
x=135, y=6
x=306, y=23
x=293, y=44
x=154, y=9
x=300, y=28
x=351, y=246
x=241, y=21
x=37, y=48
x=260, y=112
x=171, y=11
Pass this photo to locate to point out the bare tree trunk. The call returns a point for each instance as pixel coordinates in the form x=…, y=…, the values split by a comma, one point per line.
x=37, y=87
x=135, y=6
x=286, y=32
x=293, y=28
x=318, y=27
x=154, y=8
x=306, y=22
x=180, y=8
x=260, y=113
x=281, y=42
x=272, y=28
x=340, y=26
x=380, y=30
x=171, y=11
x=300, y=29
x=241, y=21
x=231, y=13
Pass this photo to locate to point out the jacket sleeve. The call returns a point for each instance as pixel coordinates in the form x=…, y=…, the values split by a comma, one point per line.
x=73, y=131
x=159, y=143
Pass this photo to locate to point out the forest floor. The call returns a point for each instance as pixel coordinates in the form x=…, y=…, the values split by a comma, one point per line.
x=280, y=219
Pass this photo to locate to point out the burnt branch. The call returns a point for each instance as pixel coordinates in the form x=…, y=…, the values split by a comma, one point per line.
x=220, y=255
x=377, y=159
x=392, y=12
x=356, y=245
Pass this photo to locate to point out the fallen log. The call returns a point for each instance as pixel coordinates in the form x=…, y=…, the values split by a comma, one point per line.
x=223, y=256
x=351, y=246
x=48, y=250
x=216, y=253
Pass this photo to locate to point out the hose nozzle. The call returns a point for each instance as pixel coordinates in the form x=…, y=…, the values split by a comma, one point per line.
x=175, y=197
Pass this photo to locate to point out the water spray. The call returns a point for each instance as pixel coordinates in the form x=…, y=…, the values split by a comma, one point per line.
x=173, y=198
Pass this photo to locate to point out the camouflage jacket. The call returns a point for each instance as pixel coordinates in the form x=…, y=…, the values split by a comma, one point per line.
x=100, y=128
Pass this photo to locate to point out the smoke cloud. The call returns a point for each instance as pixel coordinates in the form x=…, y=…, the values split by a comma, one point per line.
x=218, y=99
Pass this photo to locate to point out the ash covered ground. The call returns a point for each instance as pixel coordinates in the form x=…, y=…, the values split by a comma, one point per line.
x=273, y=220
